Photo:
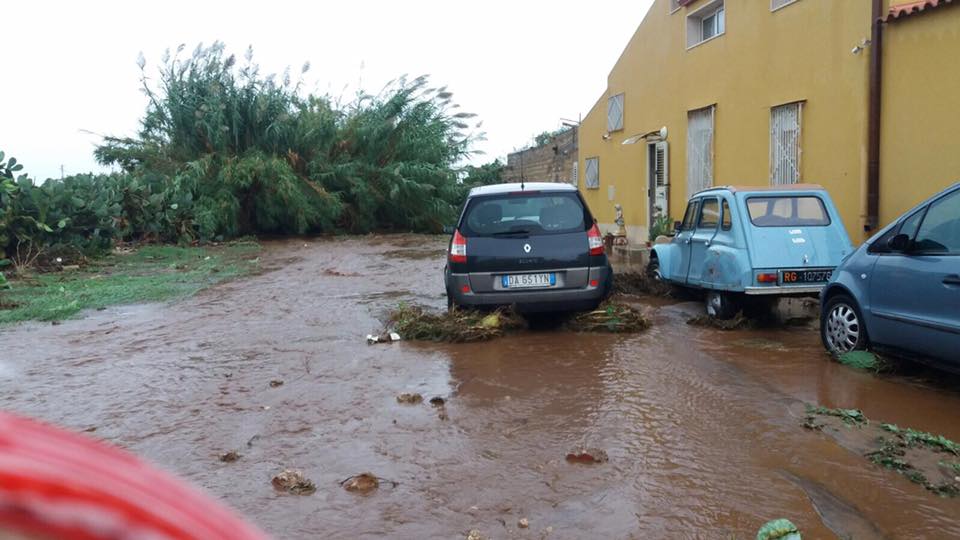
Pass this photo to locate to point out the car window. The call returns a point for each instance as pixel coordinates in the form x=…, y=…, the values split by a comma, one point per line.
x=788, y=211
x=726, y=220
x=690, y=215
x=536, y=213
x=939, y=232
x=908, y=227
x=709, y=214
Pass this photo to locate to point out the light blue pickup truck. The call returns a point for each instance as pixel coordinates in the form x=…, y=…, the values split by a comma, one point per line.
x=740, y=242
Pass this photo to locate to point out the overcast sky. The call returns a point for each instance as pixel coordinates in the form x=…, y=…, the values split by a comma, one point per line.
x=69, y=68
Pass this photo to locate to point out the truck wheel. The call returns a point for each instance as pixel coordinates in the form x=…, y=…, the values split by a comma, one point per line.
x=722, y=305
x=841, y=326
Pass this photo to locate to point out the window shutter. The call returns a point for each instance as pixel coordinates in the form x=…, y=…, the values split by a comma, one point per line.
x=699, y=149
x=662, y=164
x=615, y=113
x=592, y=173
x=785, y=131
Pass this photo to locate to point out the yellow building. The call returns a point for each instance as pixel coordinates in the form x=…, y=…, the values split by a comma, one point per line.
x=758, y=92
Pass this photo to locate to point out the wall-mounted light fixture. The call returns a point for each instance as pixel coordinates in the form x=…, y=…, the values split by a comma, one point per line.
x=657, y=134
x=864, y=43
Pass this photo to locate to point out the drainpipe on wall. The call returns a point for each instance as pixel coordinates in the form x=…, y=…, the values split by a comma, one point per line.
x=873, y=117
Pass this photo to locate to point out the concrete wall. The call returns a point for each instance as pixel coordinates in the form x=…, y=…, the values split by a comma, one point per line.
x=921, y=108
x=801, y=52
x=551, y=162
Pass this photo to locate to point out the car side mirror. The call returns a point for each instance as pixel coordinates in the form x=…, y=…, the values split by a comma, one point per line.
x=900, y=242
x=448, y=229
x=676, y=226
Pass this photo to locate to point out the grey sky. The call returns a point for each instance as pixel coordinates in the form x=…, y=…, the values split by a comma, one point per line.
x=70, y=67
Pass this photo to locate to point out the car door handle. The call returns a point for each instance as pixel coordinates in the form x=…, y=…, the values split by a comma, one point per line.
x=952, y=279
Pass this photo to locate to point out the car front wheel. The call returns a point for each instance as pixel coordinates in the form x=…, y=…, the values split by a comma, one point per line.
x=842, y=328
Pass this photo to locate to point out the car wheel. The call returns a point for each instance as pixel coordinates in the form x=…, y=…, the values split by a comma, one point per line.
x=721, y=305
x=653, y=269
x=842, y=329
x=451, y=305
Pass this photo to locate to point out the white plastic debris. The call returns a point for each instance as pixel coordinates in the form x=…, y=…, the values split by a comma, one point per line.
x=385, y=338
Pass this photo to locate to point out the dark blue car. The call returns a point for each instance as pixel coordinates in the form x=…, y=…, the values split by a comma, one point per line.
x=900, y=290
x=534, y=245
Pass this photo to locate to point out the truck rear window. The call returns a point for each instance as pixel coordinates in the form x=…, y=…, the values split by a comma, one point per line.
x=534, y=213
x=787, y=211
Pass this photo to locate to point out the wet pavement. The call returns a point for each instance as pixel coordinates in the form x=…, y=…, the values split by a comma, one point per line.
x=702, y=427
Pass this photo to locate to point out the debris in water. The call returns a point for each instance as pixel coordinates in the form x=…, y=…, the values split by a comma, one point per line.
x=633, y=283
x=779, y=529
x=361, y=483
x=230, y=457
x=293, y=481
x=410, y=399
x=864, y=360
x=275, y=383
x=455, y=326
x=475, y=535
x=610, y=317
x=383, y=338
x=437, y=401
x=738, y=322
x=523, y=523
x=587, y=455
x=914, y=454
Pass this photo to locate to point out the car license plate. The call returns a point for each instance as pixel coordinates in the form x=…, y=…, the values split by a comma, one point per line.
x=528, y=281
x=811, y=275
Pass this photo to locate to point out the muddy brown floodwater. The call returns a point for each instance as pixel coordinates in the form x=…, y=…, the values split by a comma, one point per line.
x=702, y=427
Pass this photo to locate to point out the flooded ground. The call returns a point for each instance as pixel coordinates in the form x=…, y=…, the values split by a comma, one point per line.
x=702, y=427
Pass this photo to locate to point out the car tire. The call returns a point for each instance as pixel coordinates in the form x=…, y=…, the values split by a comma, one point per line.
x=721, y=304
x=653, y=269
x=841, y=326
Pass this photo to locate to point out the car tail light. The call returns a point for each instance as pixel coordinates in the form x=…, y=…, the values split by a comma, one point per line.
x=594, y=240
x=458, y=248
x=767, y=278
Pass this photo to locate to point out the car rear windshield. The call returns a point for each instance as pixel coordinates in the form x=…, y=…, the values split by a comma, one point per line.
x=787, y=211
x=524, y=213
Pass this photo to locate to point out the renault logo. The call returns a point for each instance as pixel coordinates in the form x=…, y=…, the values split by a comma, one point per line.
x=526, y=248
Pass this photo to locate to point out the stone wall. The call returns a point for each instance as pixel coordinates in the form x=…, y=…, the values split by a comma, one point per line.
x=551, y=162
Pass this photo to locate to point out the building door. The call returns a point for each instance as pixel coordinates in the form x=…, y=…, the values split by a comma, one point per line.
x=658, y=195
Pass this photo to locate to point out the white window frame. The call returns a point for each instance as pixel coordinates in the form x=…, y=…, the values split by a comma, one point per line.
x=780, y=4
x=700, y=162
x=786, y=143
x=695, y=23
x=591, y=173
x=674, y=6
x=615, y=112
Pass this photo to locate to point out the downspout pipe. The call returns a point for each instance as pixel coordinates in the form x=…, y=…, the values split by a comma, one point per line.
x=873, y=117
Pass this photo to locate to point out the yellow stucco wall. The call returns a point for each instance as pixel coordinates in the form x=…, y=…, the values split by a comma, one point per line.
x=801, y=52
x=921, y=112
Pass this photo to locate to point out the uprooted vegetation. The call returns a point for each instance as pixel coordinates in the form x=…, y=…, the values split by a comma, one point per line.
x=418, y=323
x=865, y=360
x=932, y=461
x=611, y=317
x=455, y=326
x=632, y=283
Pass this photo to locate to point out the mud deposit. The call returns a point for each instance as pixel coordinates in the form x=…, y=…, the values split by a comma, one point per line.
x=701, y=427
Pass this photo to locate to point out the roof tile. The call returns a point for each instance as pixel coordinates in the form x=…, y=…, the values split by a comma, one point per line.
x=913, y=8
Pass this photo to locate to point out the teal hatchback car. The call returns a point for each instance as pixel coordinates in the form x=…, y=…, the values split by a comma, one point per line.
x=738, y=242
